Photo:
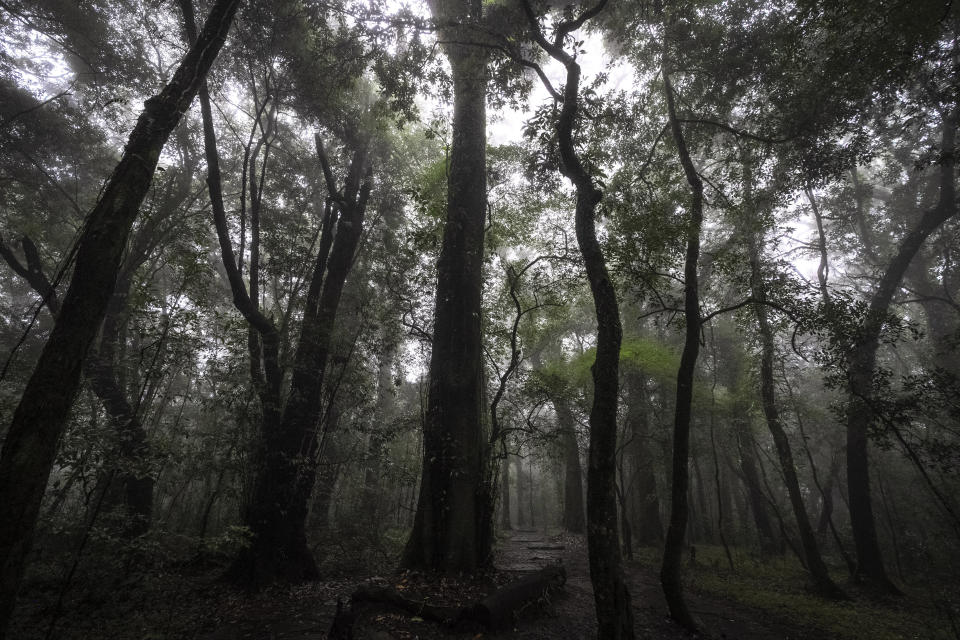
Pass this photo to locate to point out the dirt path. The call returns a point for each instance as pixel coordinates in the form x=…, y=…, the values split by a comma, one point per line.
x=571, y=615
x=305, y=613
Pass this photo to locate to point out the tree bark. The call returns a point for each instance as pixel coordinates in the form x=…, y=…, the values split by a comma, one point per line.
x=287, y=453
x=932, y=285
x=823, y=584
x=285, y=477
x=496, y=612
x=521, y=514
x=449, y=532
x=328, y=472
x=31, y=443
x=131, y=487
x=611, y=596
x=861, y=363
x=670, y=571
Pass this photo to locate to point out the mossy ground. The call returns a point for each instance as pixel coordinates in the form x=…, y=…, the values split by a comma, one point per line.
x=779, y=587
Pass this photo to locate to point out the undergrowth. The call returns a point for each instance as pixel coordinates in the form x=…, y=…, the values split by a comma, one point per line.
x=779, y=586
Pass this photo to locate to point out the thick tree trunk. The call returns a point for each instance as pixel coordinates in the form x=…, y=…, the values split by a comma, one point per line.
x=496, y=612
x=31, y=443
x=670, y=571
x=449, y=532
x=574, y=519
x=129, y=485
x=862, y=358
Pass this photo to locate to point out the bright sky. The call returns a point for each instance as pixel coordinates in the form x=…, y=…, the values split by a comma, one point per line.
x=506, y=126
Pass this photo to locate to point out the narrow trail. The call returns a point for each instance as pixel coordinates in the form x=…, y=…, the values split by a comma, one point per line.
x=571, y=615
x=304, y=613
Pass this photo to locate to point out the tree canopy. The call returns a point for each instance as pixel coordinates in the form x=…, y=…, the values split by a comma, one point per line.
x=298, y=290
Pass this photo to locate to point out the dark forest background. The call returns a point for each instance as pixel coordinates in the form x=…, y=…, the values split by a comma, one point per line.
x=299, y=290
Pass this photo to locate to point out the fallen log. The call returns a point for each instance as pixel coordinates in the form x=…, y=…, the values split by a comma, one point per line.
x=495, y=612
x=390, y=596
x=499, y=609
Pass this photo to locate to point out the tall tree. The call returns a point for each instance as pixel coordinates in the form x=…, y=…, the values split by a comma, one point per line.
x=680, y=476
x=611, y=596
x=31, y=443
x=286, y=456
x=448, y=532
x=861, y=360
x=771, y=410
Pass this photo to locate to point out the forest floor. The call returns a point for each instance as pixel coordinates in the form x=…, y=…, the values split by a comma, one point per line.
x=759, y=601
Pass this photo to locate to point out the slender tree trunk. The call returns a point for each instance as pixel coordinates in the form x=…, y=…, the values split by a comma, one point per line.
x=701, y=525
x=751, y=478
x=449, y=531
x=286, y=476
x=823, y=274
x=129, y=471
x=826, y=505
x=31, y=443
x=823, y=584
x=626, y=533
x=211, y=500
x=862, y=358
x=825, y=520
x=328, y=472
x=892, y=528
x=286, y=457
x=719, y=487
x=611, y=596
x=670, y=571
x=814, y=561
x=530, y=499
x=936, y=277
x=497, y=438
